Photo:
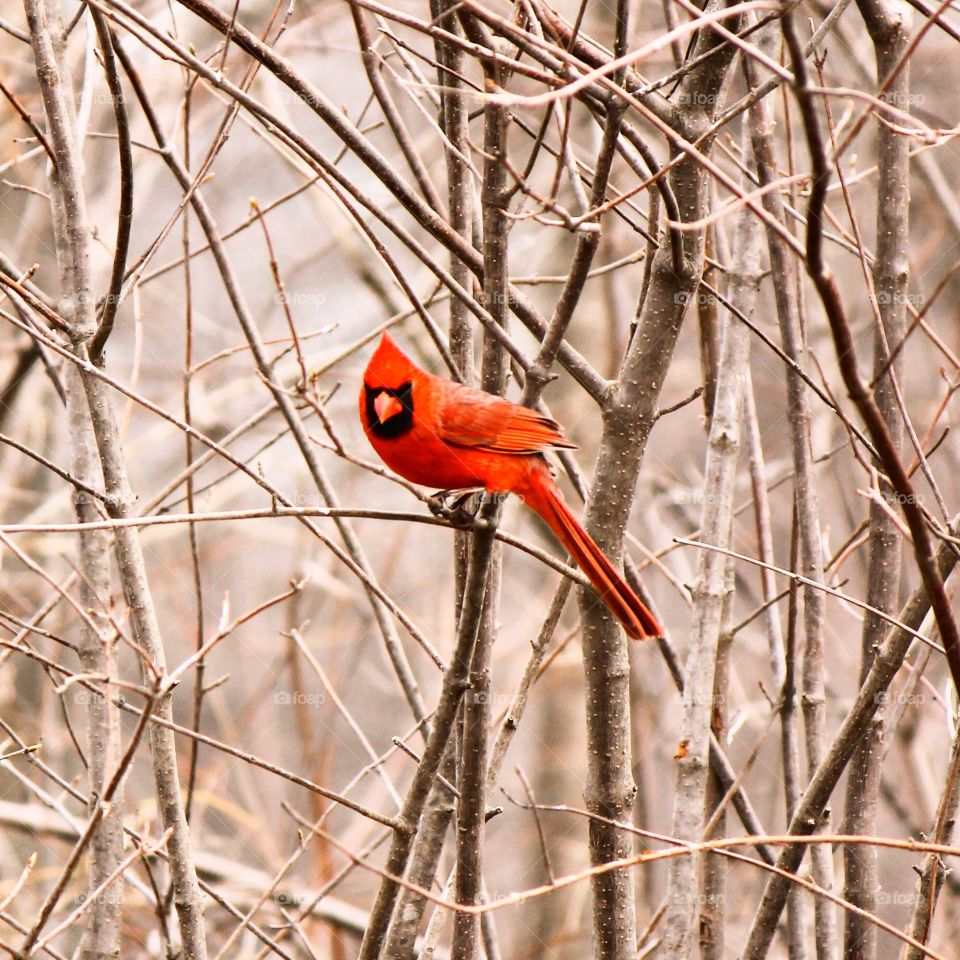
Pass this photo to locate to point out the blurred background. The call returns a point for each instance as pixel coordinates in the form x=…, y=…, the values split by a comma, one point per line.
x=305, y=683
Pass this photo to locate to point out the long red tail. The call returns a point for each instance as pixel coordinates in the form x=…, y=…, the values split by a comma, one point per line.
x=544, y=496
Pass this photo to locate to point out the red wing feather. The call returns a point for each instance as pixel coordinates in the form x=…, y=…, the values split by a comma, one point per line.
x=473, y=418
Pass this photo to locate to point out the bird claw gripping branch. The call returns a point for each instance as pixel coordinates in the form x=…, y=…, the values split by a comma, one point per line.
x=457, y=507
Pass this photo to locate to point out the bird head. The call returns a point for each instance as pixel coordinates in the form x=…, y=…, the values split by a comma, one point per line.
x=388, y=390
x=389, y=366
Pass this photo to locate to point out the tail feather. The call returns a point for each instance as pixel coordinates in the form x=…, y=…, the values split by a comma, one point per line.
x=545, y=497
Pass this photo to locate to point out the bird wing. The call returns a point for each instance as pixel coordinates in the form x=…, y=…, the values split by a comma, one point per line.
x=473, y=418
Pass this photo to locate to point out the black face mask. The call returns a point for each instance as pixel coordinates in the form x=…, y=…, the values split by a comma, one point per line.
x=400, y=423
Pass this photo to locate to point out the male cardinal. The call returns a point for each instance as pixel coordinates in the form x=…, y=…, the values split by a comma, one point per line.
x=447, y=436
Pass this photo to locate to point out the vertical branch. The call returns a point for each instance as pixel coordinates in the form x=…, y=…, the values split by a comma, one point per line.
x=784, y=268
x=192, y=532
x=439, y=808
x=72, y=232
x=74, y=247
x=934, y=870
x=889, y=32
x=455, y=684
x=628, y=415
x=97, y=656
x=438, y=811
x=454, y=123
x=710, y=594
x=782, y=658
x=133, y=575
x=471, y=809
x=97, y=650
x=733, y=375
x=712, y=914
x=111, y=301
x=708, y=326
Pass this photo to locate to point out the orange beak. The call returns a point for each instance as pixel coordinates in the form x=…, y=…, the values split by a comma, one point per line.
x=387, y=406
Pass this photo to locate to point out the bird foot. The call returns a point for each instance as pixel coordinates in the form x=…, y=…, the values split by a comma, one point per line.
x=454, y=506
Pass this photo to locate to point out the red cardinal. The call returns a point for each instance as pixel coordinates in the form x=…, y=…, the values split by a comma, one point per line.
x=447, y=436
